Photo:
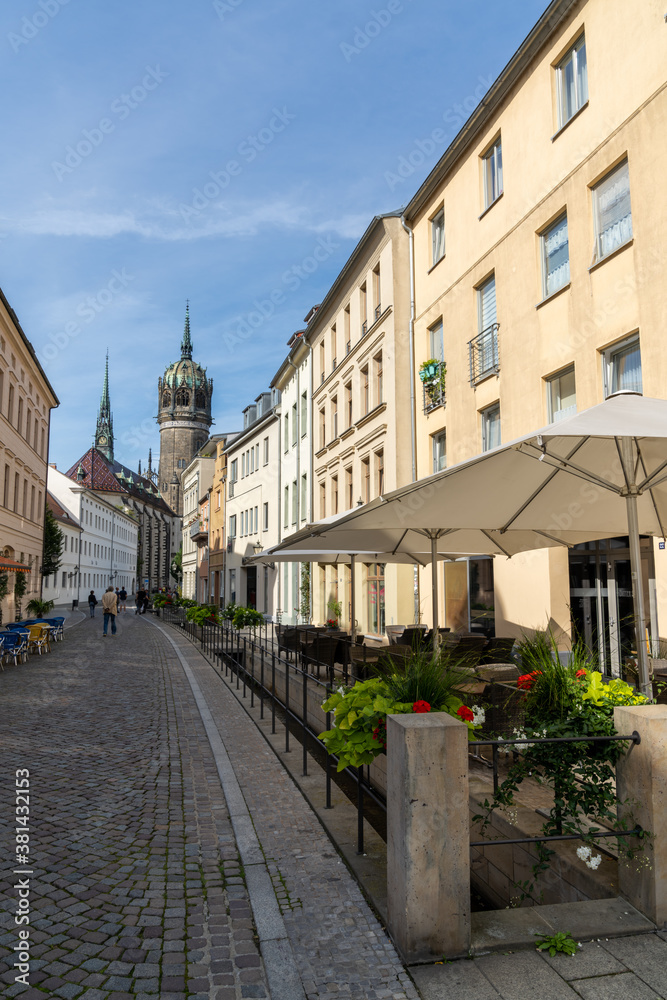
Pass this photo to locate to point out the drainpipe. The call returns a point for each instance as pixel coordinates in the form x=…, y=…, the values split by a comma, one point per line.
x=411, y=352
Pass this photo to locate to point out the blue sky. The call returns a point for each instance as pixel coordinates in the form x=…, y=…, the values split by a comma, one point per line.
x=155, y=152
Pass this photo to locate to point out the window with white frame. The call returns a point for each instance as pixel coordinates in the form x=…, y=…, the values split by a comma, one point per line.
x=436, y=341
x=266, y=451
x=492, y=163
x=623, y=367
x=295, y=501
x=555, y=257
x=561, y=395
x=234, y=470
x=265, y=518
x=438, y=236
x=304, y=496
x=439, y=447
x=611, y=212
x=304, y=414
x=232, y=526
x=286, y=507
x=572, y=81
x=491, y=427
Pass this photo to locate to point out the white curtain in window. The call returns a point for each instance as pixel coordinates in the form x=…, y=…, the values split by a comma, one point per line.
x=627, y=369
x=437, y=342
x=614, y=216
x=438, y=236
x=556, y=257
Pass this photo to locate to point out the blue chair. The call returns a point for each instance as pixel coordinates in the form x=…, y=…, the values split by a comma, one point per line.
x=55, y=626
x=60, y=625
x=14, y=644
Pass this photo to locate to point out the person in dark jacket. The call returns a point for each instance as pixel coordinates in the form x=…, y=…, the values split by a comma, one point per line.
x=92, y=601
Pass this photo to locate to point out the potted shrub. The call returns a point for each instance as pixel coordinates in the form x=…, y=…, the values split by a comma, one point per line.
x=39, y=608
x=335, y=609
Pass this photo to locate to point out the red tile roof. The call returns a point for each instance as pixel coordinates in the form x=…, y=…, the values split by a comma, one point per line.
x=104, y=476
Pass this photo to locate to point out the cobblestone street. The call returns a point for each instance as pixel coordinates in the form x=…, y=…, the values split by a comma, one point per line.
x=138, y=886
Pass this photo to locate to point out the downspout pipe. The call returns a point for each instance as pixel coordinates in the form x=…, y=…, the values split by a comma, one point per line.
x=411, y=353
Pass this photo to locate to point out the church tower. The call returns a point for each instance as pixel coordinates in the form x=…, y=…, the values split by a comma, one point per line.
x=104, y=428
x=184, y=416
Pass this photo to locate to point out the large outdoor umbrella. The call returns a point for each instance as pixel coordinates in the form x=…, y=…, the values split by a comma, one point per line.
x=599, y=473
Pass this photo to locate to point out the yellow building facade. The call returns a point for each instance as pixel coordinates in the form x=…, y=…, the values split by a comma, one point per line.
x=26, y=401
x=538, y=260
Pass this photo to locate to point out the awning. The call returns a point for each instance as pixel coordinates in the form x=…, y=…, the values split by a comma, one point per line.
x=7, y=566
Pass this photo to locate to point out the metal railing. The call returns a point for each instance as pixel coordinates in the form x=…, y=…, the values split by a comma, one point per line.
x=483, y=350
x=433, y=389
x=521, y=741
x=258, y=658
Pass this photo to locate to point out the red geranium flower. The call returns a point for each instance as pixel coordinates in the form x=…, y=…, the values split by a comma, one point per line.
x=465, y=713
x=581, y=673
x=421, y=706
x=525, y=682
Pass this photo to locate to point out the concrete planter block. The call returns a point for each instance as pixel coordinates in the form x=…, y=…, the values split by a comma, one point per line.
x=428, y=836
x=642, y=791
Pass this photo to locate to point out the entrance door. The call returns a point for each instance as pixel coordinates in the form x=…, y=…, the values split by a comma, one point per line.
x=601, y=603
x=251, y=587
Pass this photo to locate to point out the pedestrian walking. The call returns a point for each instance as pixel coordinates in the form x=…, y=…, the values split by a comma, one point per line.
x=123, y=598
x=117, y=598
x=139, y=599
x=110, y=608
x=92, y=601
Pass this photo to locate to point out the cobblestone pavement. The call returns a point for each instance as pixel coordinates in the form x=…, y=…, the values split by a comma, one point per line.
x=136, y=888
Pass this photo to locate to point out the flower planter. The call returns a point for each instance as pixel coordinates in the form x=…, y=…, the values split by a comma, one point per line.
x=428, y=372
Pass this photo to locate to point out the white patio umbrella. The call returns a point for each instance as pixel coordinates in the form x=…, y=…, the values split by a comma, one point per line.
x=599, y=473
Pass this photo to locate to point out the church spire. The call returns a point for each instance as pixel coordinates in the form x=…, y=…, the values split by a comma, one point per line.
x=186, y=343
x=104, y=428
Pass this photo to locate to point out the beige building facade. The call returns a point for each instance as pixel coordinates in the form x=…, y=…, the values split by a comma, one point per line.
x=361, y=416
x=26, y=401
x=538, y=260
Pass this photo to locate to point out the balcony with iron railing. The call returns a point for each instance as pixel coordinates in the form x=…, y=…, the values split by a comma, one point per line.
x=199, y=530
x=484, y=354
x=432, y=376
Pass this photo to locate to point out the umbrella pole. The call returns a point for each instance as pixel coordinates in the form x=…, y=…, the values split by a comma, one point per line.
x=434, y=586
x=638, y=595
x=353, y=630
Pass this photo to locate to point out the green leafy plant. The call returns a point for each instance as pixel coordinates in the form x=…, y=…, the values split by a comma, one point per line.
x=335, y=608
x=203, y=614
x=566, y=700
x=247, y=618
x=433, y=374
x=4, y=590
x=562, y=942
x=304, y=591
x=360, y=713
x=20, y=587
x=53, y=544
x=227, y=613
x=39, y=608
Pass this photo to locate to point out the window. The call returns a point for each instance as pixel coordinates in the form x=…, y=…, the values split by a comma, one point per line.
x=232, y=526
x=377, y=305
x=2, y=389
x=10, y=405
x=379, y=473
x=438, y=236
x=439, y=451
x=19, y=419
x=377, y=372
x=304, y=496
x=436, y=342
x=492, y=163
x=334, y=348
x=295, y=429
x=376, y=612
x=491, y=427
x=265, y=517
x=346, y=329
x=363, y=309
x=242, y=464
x=286, y=507
x=28, y=426
x=322, y=360
x=623, y=367
x=323, y=500
x=16, y=494
x=561, y=395
x=295, y=501
x=25, y=501
x=611, y=210
x=484, y=347
x=349, y=489
x=365, y=392
x=334, y=494
x=304, y=415
x=323, y=428
x=266, y=451
x=286, y=438
x=334, y=417
x=366, y=479
x=32, y=504
x=555, y=257
x=348, y=404
x=572, y=81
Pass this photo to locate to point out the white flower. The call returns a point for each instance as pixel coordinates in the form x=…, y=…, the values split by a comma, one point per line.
x=594, y=862
x=478, y=715
x=340, y=690
x=583, y=853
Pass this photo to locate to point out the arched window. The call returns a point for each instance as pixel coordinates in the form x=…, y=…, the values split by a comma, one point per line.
x=182, y=397
x=166, y=399
x=200, y=400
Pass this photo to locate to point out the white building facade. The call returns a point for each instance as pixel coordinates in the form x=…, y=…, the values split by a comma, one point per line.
x=107, y=549
x=294, y=380
x=253, y=505
x=196, y=483
x=61, y=587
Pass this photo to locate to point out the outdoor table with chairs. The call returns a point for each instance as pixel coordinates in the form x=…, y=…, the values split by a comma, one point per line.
x=34, y=635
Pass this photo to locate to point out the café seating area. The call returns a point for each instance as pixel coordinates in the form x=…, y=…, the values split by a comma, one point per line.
x=33, y=636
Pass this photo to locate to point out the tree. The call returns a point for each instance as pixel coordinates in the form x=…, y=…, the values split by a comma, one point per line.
x=176, y=569
x=20, y=587
x=53, y=545
x=4, y=590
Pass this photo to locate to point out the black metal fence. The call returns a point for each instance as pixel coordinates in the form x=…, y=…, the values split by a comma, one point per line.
x=256, y=659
